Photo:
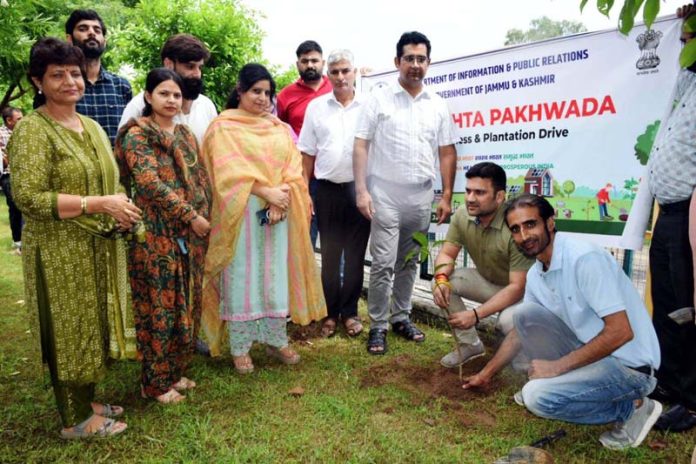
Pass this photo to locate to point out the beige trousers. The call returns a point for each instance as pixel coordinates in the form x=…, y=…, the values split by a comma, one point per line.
x=467, y=283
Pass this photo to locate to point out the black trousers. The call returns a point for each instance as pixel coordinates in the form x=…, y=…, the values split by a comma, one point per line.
x=343, y=231
x=15, y=213
x=673, y=288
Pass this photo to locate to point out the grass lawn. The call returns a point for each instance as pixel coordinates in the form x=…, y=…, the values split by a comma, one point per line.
x=401, y=407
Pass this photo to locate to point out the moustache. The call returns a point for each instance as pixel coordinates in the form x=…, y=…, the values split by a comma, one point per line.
x=193, y=87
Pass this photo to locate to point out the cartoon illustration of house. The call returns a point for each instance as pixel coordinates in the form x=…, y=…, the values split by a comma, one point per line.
x=513, y=191
x=539, y=181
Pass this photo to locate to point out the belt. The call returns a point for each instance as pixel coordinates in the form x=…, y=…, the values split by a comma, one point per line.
x=337, y=184
x=678, y=207
x=647, y=370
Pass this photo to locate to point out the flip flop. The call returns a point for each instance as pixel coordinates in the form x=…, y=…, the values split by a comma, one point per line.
x=328, y=327
x=353, y=326
x=108, y=410
x=184, y=384
x=108, y=428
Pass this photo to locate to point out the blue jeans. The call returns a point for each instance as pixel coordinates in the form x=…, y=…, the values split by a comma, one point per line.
x=598, y=393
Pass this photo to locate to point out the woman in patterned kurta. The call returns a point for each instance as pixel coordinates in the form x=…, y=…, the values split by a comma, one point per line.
x=65, y=182
x=159, y=164
x=256, y=274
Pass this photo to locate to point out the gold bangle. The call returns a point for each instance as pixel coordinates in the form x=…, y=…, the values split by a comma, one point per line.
x=83, y=205
x=445, y=283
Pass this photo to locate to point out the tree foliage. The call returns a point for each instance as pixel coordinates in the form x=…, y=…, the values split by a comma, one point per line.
x=629, y=11
x=543, y=28
x=136, y=32
x=568, y=187
x=227, y=28
x=21, y=23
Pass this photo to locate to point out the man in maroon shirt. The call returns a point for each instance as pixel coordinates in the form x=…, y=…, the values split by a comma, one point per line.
x=293, y=99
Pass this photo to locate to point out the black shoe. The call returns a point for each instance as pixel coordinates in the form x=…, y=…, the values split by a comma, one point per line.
x=676, y=419
x=202, y=348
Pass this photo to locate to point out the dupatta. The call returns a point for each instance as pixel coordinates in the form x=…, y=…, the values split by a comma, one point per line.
x=239, y=149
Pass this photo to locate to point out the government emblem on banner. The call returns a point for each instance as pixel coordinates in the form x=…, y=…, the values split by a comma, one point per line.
x=648, y=42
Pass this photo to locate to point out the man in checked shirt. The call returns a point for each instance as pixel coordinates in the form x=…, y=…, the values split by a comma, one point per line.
x=106, y=94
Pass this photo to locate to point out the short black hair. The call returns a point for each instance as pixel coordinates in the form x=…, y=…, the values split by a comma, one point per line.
x=528, y=200
x=411, y=38
x=155, y=78
x=80, y=15
x=184, y=48
x=49, y=50
x=7, y=112
x=250, y=74
x=308, y=46
x=488, y=170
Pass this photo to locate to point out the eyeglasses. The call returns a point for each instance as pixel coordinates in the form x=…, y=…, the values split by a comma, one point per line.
x=420, y=59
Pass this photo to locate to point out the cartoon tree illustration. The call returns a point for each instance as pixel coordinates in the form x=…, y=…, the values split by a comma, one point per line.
x=631, y=186
x=568, y=187
x=645, y=141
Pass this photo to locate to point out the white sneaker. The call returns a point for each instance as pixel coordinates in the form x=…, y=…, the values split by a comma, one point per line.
x=632, y=432
x=468, y=352
x=519, y=399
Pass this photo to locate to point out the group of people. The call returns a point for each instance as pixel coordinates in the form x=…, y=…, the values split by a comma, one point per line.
x=196, y=219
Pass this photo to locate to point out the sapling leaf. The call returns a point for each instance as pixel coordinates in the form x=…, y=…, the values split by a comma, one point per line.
x=650, y=11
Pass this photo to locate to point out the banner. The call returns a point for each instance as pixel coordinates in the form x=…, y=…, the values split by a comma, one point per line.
x=572, y=119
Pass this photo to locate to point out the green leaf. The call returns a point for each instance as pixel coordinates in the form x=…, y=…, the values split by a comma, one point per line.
x=421, y=239
x=582, y=5
x=604, y=6
x=687, y=57
x=650, y=11
x=626, y=17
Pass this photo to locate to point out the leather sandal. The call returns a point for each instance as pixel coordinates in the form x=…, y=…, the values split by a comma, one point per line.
x=286, y=355
x=377, y=342
x=353, y=326
x=408, y=330
x=328, y=327
x=184, y=384
x=108, y=428
x=243, y=364
x=107, y=410
x=171, y=397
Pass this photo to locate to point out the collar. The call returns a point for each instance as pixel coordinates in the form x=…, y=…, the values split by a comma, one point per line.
x=556, y=257
x=496, y=223
x=397, y=88
x=104, y=75
x=357, y=100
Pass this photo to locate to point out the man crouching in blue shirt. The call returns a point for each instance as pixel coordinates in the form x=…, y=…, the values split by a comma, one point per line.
x=593, y=348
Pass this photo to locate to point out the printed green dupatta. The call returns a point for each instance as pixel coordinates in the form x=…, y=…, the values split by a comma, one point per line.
x=122, y=343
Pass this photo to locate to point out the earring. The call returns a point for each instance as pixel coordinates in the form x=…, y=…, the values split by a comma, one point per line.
x=40, y=91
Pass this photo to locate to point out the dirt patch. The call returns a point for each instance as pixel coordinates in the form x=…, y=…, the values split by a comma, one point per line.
x=434, y=382
x=304, y=333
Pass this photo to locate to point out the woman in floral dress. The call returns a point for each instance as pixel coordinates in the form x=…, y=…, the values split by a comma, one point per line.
x=159, y=163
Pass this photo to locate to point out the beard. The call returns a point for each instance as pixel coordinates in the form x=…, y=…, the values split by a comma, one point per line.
x=193, y=87
x=541, y=244
x=90, y=48
x=310, y=75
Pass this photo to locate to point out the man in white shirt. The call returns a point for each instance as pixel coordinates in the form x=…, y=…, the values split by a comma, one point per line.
x=326, y=143
x=407, y=129
x=186, y=55
x=592, y=346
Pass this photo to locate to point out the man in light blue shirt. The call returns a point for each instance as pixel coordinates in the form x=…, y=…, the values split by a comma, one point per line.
x=592, y=345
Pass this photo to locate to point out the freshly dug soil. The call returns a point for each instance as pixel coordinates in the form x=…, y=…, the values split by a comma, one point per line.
x=433, y=382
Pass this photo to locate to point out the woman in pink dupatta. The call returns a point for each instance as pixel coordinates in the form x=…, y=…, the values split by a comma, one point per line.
x=260, y=264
